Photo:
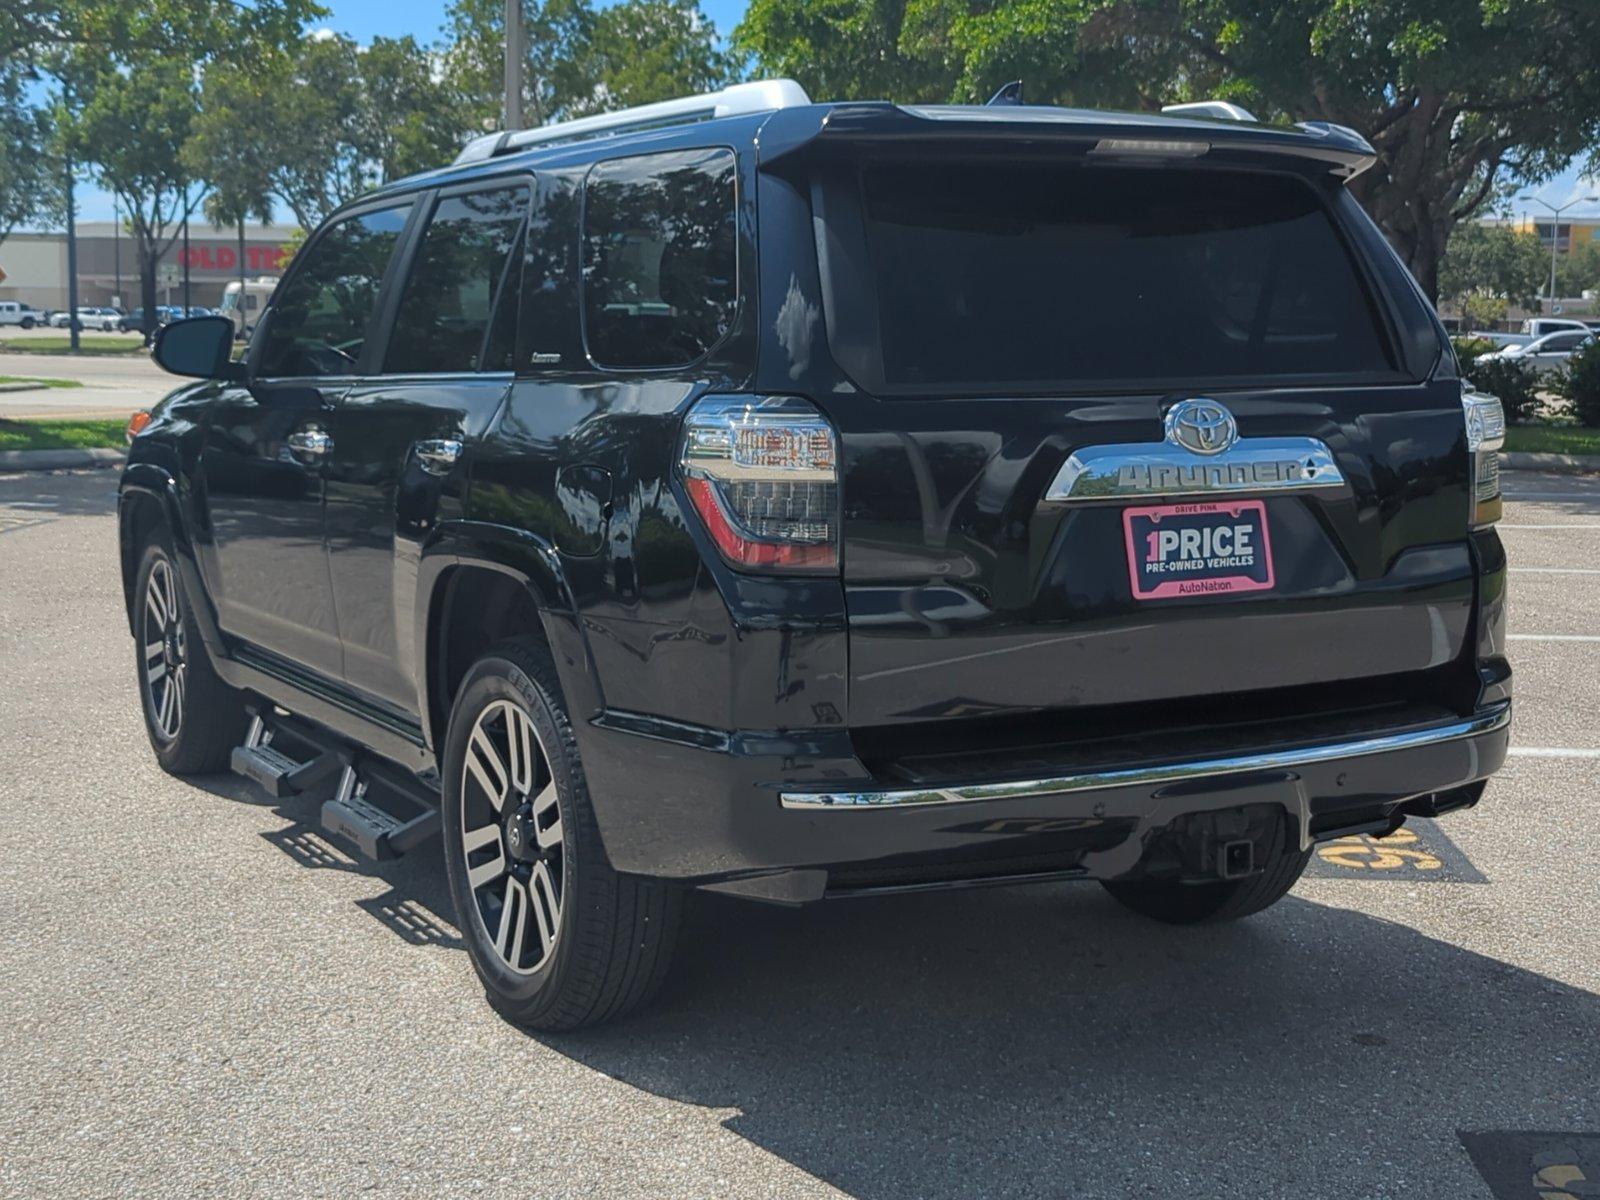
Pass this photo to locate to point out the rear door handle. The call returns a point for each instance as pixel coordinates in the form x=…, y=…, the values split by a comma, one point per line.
x=438, y=455
x=312, y=441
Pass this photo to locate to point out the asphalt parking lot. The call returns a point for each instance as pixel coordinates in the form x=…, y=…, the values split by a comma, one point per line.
x=203, y=996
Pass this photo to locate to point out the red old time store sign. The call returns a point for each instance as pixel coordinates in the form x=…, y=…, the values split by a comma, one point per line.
x=226, y=258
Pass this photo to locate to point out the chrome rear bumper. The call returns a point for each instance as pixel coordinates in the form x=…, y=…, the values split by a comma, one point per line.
x=1488, y=721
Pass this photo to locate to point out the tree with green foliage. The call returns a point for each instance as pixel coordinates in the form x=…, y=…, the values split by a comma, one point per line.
x=1578, y=270
x=31, y=177
x=582, y=60
x=556, y=71
x=127, y=113
x=1494, y=261
x=319, y=122
x=35, y=33
x=1456, y=97
x=642, y=51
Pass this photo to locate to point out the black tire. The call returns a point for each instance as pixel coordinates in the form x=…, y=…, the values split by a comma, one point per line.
x=27, y=322
x=613, y=934
x=206, y=718
x=1211, y=903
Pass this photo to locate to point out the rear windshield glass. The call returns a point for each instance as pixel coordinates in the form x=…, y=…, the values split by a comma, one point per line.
x=1034, y=275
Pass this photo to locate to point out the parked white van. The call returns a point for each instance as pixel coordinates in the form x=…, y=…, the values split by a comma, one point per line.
x=256, y=294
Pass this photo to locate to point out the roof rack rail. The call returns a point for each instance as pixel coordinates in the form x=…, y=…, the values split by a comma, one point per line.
x=1217, y=110
x=762, y=95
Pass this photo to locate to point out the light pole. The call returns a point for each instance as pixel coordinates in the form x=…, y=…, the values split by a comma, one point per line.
x=513, y=82
x=1555, y=231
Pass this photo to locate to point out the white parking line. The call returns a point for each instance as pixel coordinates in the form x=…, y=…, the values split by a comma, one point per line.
x=1551, y=752
x=1568, y=525
x=1553, y=637
x=1554, y=570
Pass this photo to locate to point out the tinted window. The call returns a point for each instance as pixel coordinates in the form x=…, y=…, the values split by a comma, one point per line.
x=1032, y=275
x=660, y=257
x=447, y=319
x=1564, y=341
x=322, y=314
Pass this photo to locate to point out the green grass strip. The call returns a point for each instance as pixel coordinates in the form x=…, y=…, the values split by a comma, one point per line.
x=55, y=433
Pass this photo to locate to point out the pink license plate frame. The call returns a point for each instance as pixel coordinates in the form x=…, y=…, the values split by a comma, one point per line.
x=1195, y=584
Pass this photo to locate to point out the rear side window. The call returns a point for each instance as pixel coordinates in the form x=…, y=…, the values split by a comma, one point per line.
x=1033, y=276
x=449, y=319
x=322, y=316
x=660, y=257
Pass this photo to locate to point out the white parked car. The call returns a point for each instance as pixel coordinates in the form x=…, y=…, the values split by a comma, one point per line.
x=105, y=318
x=1548, y=353
x=14, y=312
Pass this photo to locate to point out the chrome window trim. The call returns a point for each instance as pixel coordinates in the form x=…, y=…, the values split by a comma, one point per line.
x=1146, y=470
x=1488, y=721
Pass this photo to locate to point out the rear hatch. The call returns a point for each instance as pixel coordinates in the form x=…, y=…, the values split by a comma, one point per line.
x=1124, y=431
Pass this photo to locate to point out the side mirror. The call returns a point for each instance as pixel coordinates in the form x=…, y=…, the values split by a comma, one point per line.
x=199, y=346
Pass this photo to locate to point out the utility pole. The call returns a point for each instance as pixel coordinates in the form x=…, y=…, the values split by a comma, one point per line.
x=116, y=244
x=187, y=302
x=72, y=261
x=513, y=65
x=242, y=316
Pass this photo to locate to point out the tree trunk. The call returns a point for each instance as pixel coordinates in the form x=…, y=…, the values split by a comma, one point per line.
x=149, y=260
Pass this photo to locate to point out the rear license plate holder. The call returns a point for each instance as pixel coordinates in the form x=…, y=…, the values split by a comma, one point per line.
x=1203, y=549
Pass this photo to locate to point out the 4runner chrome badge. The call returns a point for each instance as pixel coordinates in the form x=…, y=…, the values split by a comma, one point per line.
x=1203, y=455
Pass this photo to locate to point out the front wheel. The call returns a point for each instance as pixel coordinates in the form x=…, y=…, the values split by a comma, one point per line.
x=194, y=720
x=558, y=938
x=1208, y=903
x=27, y=322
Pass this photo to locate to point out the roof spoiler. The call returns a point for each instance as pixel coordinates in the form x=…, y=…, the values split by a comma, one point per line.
x=1106, y=135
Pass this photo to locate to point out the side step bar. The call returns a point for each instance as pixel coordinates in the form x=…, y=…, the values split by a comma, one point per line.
x=278, y=774
x=378, y=833
x=382, y=810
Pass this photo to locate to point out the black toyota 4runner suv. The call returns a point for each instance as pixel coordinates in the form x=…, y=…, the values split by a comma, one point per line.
x=811, y=501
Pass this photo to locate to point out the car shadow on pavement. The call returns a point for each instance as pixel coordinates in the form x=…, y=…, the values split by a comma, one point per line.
x=1042, y=1042
x=416, y=905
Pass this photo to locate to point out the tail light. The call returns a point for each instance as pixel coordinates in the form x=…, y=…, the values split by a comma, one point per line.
x=763, y=475
x=1486, y=433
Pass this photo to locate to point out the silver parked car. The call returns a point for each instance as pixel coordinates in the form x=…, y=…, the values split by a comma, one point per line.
x=1546, y=354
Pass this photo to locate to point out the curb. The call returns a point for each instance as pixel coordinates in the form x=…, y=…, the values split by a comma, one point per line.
x=23, y=387
x=1525, y=460
x=59, y=460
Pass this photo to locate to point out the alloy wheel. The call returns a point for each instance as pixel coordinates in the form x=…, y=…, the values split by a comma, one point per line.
x=166, y=650
x=511, y=837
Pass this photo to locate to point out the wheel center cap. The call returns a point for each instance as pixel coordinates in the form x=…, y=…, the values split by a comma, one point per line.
x=520, y=841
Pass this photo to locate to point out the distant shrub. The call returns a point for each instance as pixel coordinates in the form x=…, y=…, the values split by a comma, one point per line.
x=1580, y=384
x=1470, y=349
x=1516, y=383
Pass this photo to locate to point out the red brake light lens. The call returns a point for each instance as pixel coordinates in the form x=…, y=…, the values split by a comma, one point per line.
x=762, y=474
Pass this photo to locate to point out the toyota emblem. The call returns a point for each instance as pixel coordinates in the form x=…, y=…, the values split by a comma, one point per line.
x=1201, y=426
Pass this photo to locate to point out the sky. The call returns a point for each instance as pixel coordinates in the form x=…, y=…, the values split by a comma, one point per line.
x=365, y=19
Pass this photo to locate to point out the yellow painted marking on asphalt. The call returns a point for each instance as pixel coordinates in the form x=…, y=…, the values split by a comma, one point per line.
x=1553, y=1181
x=1361, y=852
